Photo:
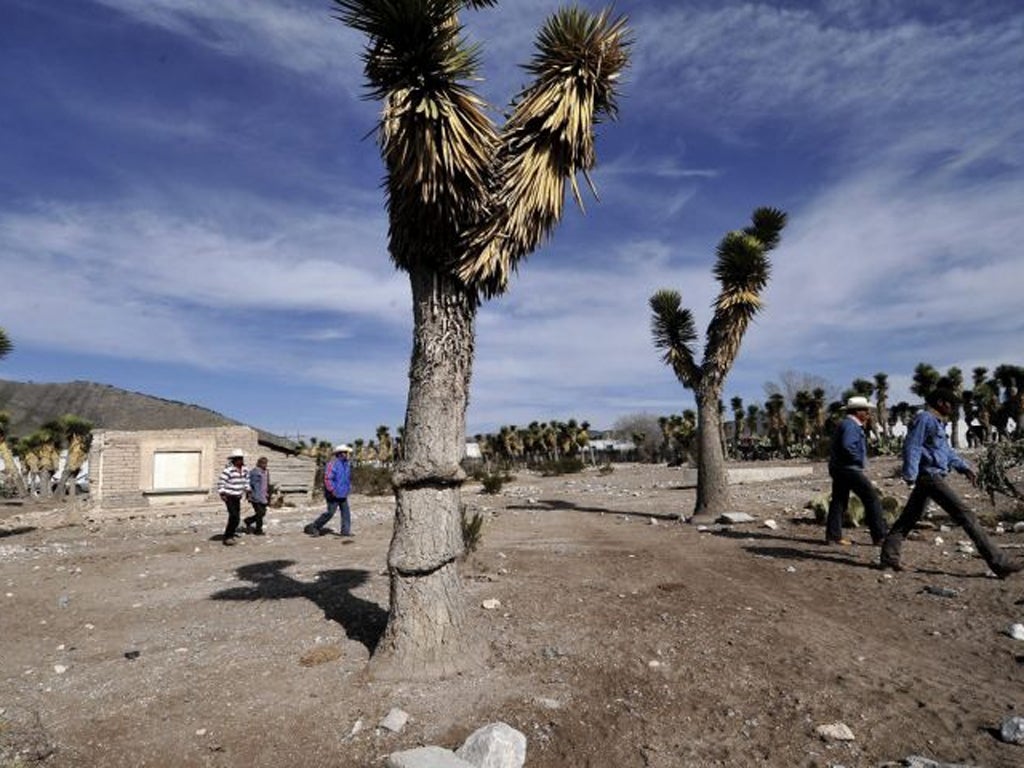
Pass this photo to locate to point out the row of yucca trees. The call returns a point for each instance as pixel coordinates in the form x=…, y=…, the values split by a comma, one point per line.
x=39, y=453
x=38, y=470
x=537, y=443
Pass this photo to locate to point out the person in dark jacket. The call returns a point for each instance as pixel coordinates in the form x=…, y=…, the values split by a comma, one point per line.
x=337, y=484
x=927, y=460
x=847, y=464
x=259, y=496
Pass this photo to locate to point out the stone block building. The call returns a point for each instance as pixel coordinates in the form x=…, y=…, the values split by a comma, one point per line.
x=164, y=467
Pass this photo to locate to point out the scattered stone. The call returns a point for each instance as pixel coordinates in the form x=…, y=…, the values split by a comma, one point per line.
x=1018, y=527
x=357, y=726
x=1016, y=631
x=834, y=732
x=201, y=732
x=939, y=541
x=497, y=745
x=790, y=569
x=735, y=518
x=394, y=720
x=426, y=757
x=541, y=701
x=771, y=524
x=491, y=604
x=60, y=669
x=965, y=548
x=132, y=655
x=652, y=521
x=941, y=591
x=1012, y=730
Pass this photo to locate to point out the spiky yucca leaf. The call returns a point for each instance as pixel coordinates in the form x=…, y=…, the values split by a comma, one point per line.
x=767, y=225
x=436, y=140
x=674, y=332
x=548, y=139
x=5, y=344
x=742, y=270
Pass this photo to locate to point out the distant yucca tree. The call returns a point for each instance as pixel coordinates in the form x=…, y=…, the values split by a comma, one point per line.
x=466, y=203
x=742, y=269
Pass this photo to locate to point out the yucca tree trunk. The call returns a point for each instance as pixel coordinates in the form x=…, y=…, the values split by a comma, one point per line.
x=11, y=469
x=712, y=476
x=426, y=635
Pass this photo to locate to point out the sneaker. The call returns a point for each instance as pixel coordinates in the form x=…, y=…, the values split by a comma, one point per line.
x=839, y=542
x=230, y=541
x=311, y=530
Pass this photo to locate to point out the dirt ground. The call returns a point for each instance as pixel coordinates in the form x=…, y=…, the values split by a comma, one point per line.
x=623, y=639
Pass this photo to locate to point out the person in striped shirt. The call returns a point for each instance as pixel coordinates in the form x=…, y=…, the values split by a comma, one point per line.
x=233, y=486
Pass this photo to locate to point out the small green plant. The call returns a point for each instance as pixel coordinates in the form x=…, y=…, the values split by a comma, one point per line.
x=567, y=465
x=472, y=530
x=492, y=483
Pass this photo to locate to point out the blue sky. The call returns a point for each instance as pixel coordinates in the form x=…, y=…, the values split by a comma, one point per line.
x=190, y=206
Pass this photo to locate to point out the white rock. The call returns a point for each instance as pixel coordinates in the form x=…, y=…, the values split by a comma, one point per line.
x=1012, y=730
x=201, y=732
x=938, y=541
x=733, y=518
x=491, y=604
x=394, y=720
x=497, y=745
x=835, y=732
x=771, y=524
x=426, y=757
x=790, y=569
x=1016, y=631
x=60, y=669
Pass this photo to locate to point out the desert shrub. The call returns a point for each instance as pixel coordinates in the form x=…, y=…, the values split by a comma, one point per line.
x=606, y=468
x=854, y=516
x=567, y=465
x=492, y=483
x=372, y=481
x=472, y=530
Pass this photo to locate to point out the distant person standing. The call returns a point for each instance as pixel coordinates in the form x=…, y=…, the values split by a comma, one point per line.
x=259, y=496
x=847, y=465
x=337, y=484
x=927, y=460
x=233, y=485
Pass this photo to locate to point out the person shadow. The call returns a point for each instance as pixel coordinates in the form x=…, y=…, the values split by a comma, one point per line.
x=331, y=591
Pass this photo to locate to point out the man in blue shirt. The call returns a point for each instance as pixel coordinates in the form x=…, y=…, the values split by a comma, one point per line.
x=927, y=459
x=847, y=462
x=337, y=484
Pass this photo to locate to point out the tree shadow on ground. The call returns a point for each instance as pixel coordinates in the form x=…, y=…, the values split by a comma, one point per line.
x=4, y=532
x=792, y=553
x=732, y=533
x=562, y=505
x=331, y=591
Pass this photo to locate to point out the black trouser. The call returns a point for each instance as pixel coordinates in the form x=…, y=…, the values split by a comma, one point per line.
x=941, y=492
x=258, y=512
x=844, y=480
x=234, y=505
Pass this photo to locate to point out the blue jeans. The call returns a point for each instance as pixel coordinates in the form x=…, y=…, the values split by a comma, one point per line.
x=333, y=505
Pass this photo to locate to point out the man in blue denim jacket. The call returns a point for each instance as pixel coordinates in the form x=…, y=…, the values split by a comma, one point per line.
x=337, y=484
x=927, y=460
x=848, y=460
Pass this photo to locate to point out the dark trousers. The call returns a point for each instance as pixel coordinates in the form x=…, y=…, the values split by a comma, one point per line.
x=845, y=480
x=258, y=512
x=941, y=492
x=234, y=505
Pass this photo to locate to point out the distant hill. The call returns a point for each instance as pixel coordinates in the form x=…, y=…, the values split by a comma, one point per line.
x=31, y=405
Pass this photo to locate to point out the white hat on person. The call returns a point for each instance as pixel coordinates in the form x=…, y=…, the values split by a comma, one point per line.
x=858, y=403
x=342, y=448
x=238, y=453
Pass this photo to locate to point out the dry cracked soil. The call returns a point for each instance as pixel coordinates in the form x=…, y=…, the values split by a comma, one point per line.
x=623, y=638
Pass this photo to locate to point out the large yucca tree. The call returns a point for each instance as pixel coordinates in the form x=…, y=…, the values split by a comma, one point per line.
x=466, y=201
x=742, y=269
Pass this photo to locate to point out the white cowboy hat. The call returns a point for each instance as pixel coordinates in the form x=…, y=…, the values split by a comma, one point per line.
x=238, y=453
x=858, y=403
x=343, y=448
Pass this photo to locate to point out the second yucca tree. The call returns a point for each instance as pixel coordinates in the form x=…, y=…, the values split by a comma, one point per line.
x=742, y=269
x=466, y=203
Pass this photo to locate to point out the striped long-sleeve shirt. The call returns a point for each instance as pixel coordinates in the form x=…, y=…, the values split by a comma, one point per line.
x=233, y=481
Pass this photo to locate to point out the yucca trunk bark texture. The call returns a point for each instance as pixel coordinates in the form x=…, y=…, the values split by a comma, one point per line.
x=712, y=475
x=427, y=635
x=11, y=470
